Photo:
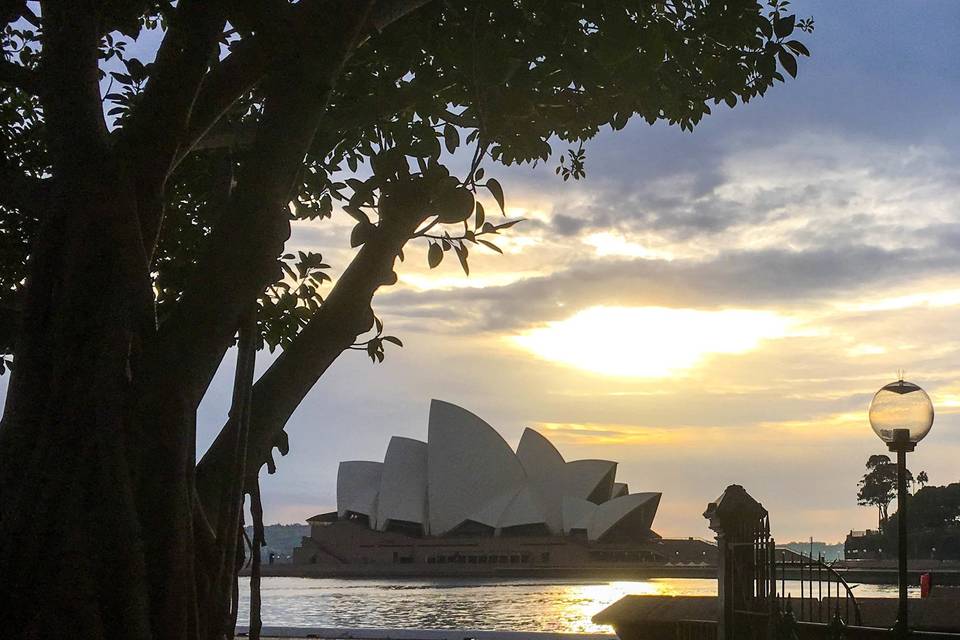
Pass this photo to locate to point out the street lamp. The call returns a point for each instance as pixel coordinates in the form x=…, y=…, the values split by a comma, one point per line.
x=901, y=414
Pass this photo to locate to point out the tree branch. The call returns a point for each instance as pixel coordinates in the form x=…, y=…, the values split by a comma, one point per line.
x=157, y=126
x=344, y=315
x=233, y=77
x=243, y=249
x=239, y=72
x=386, y=12
x=280, y=30
x=73, y=114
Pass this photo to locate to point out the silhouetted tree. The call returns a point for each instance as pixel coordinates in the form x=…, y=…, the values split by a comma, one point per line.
x=936, y=507
x=878, y=487
x=934, y=527
x=145, y=224
x=922, y=479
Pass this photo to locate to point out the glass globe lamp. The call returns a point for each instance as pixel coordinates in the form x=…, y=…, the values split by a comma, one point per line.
x=901, y=414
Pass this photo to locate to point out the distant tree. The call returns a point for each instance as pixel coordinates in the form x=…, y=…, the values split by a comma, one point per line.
x=143, y=232
x=878, y=487
x=922, y=479
x=936, y=507
x=934, y=527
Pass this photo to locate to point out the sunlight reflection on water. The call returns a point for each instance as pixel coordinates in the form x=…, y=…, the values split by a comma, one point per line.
x=463, y=603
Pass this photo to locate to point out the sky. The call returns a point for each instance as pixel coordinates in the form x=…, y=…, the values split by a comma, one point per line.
x=705, y=309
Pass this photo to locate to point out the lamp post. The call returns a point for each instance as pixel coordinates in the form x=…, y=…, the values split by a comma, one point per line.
x=901, y=414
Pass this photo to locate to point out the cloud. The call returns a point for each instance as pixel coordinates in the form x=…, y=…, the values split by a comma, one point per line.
x=809, y=218
x=789, y=279
x=851, y=235
x=833, y=200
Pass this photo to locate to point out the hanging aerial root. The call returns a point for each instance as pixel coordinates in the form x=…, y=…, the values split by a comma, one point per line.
x=256, y=512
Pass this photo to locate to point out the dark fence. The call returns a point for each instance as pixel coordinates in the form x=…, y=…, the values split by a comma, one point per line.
x=823, y=593
x=772, y=585
x=772, y=594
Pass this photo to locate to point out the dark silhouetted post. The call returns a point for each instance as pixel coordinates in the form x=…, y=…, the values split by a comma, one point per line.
x=901, y=414
x=902, y=444
x=735, y=517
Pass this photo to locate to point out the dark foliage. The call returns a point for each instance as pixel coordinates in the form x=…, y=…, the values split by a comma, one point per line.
x=146, y=205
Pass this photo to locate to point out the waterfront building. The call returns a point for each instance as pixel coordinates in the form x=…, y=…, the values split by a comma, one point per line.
x=464, y=497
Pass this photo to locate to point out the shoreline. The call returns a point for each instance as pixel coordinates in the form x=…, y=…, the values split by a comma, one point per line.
x=458, y=571
x=868, y=575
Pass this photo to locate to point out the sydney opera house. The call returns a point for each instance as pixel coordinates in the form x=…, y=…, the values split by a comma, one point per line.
x=465, y=497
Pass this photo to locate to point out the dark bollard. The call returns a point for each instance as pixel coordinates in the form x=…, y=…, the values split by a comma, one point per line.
x=739, y=522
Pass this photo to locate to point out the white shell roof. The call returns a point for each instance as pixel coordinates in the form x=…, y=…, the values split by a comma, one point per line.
x=358, y=485
x=589, y=479
x=553, y=479
x=544, y=465
x=577, y=513
x=403, y=483
x=472, y=473
x=526, y=507
x=467, y=472
x=540, y=459
x=635, y=511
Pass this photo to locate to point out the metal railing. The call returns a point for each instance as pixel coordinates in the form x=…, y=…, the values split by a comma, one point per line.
x=824, y=593
x=773, y=580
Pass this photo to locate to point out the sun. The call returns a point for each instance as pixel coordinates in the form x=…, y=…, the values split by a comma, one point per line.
x=650, y=342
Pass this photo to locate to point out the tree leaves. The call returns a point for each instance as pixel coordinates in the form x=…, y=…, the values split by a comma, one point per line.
x=798, y=47
x=362, y=231
x=783, y=25
x=454, y=205
x=508, y=224
x=356, y=213
x=878, y=487
x=451, y=137
x=375, y=349
x=289, y=304
x=418, y=92
x=461, y=251
x=576, y=169
x=788, y=61
x=374, y=345
x=490, y=245
x=434, y=255
x=497, y=191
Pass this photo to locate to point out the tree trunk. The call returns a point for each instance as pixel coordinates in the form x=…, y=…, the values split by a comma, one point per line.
x=103, y=532
x=73, y=557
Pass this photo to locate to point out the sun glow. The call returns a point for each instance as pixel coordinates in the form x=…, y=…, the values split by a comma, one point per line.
x=650, y=342
x=611, y=244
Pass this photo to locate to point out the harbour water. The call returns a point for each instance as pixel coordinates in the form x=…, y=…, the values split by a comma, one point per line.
x=474, y=603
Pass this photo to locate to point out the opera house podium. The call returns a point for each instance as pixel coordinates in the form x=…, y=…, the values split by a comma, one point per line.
x=465, y=502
